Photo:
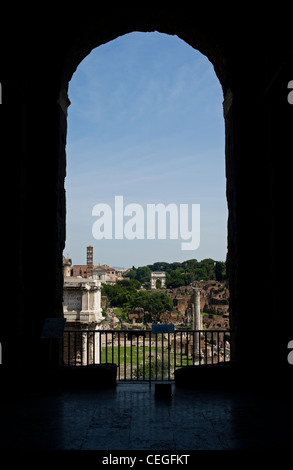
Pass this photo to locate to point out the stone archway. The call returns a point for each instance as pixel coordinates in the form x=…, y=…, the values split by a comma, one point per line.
x=255, y=67
x=200, y=42
x=158, y=276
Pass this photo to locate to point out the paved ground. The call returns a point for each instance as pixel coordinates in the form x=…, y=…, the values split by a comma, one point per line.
x=130, y=417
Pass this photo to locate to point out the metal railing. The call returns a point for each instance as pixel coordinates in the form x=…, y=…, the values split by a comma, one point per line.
x=143, y=354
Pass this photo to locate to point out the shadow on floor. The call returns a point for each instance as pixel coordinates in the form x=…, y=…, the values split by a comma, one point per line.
x=132, y=417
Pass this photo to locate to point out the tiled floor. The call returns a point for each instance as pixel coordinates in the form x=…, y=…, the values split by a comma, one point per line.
x=131, y=417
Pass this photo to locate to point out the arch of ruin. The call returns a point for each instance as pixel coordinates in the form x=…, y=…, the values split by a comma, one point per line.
x=158, y=276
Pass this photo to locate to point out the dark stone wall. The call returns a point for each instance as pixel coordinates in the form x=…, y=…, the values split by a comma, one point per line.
x=252, y=57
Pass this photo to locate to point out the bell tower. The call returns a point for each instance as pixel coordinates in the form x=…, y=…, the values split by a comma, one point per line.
x=89, y=260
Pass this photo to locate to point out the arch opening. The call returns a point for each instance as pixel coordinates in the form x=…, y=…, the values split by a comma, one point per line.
x=158, y=122
x=227, y=105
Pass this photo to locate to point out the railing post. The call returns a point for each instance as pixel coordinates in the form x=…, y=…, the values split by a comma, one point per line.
x=150, y=358
x=143, y=352
x=119, y=353
x=162, y=344
x=137, y=357
x=87, y=348
x=125, y=355
x=181, y=348
x=174, y=351
x=112, y=347
x=169, y=357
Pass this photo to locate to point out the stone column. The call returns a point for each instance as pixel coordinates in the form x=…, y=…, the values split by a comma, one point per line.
x=192, y=317
x=99, y=318
x=97, y=300
x=85, y=298
x=90, y=344
x=84, y=345
x=97, y=339
x=197, y=325
x=197, y=315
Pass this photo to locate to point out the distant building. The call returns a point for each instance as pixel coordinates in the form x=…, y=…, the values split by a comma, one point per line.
x=79, y=270
x=100, y=274
x=104, y=273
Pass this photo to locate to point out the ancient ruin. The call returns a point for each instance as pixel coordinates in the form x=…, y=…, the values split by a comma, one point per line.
x=82, y=311
x=158, y=277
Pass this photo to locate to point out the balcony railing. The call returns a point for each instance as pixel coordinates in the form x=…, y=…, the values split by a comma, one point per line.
x=143, y=354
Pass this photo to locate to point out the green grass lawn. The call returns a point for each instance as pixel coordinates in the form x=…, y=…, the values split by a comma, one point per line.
x=122, y=356
x=125, y=354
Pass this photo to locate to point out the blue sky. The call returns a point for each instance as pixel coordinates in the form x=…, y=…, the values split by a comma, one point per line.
x=145, y=123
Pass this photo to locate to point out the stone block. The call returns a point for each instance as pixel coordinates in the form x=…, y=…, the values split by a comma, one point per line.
x=92, y=376
x=207, y=377
x=163, y=390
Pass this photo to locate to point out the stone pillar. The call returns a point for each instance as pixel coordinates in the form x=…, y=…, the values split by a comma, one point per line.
x=84, y=347
x=197, y=325
x=98, y=299
x=192, y=317
x=85, y=298
x=97, y=339
x=90, y=344
x=197, y=315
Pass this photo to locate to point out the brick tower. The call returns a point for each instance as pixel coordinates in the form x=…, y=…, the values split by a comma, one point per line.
x=89, y=260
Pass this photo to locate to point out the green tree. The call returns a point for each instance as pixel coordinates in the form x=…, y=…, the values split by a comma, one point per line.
x=126, y=295
x=131, y=283
x=153, y=302
x=132, y=273
x=175, y=279
x=158, y=266
x=190, y=264
x=143, y=274
x=220, y=270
